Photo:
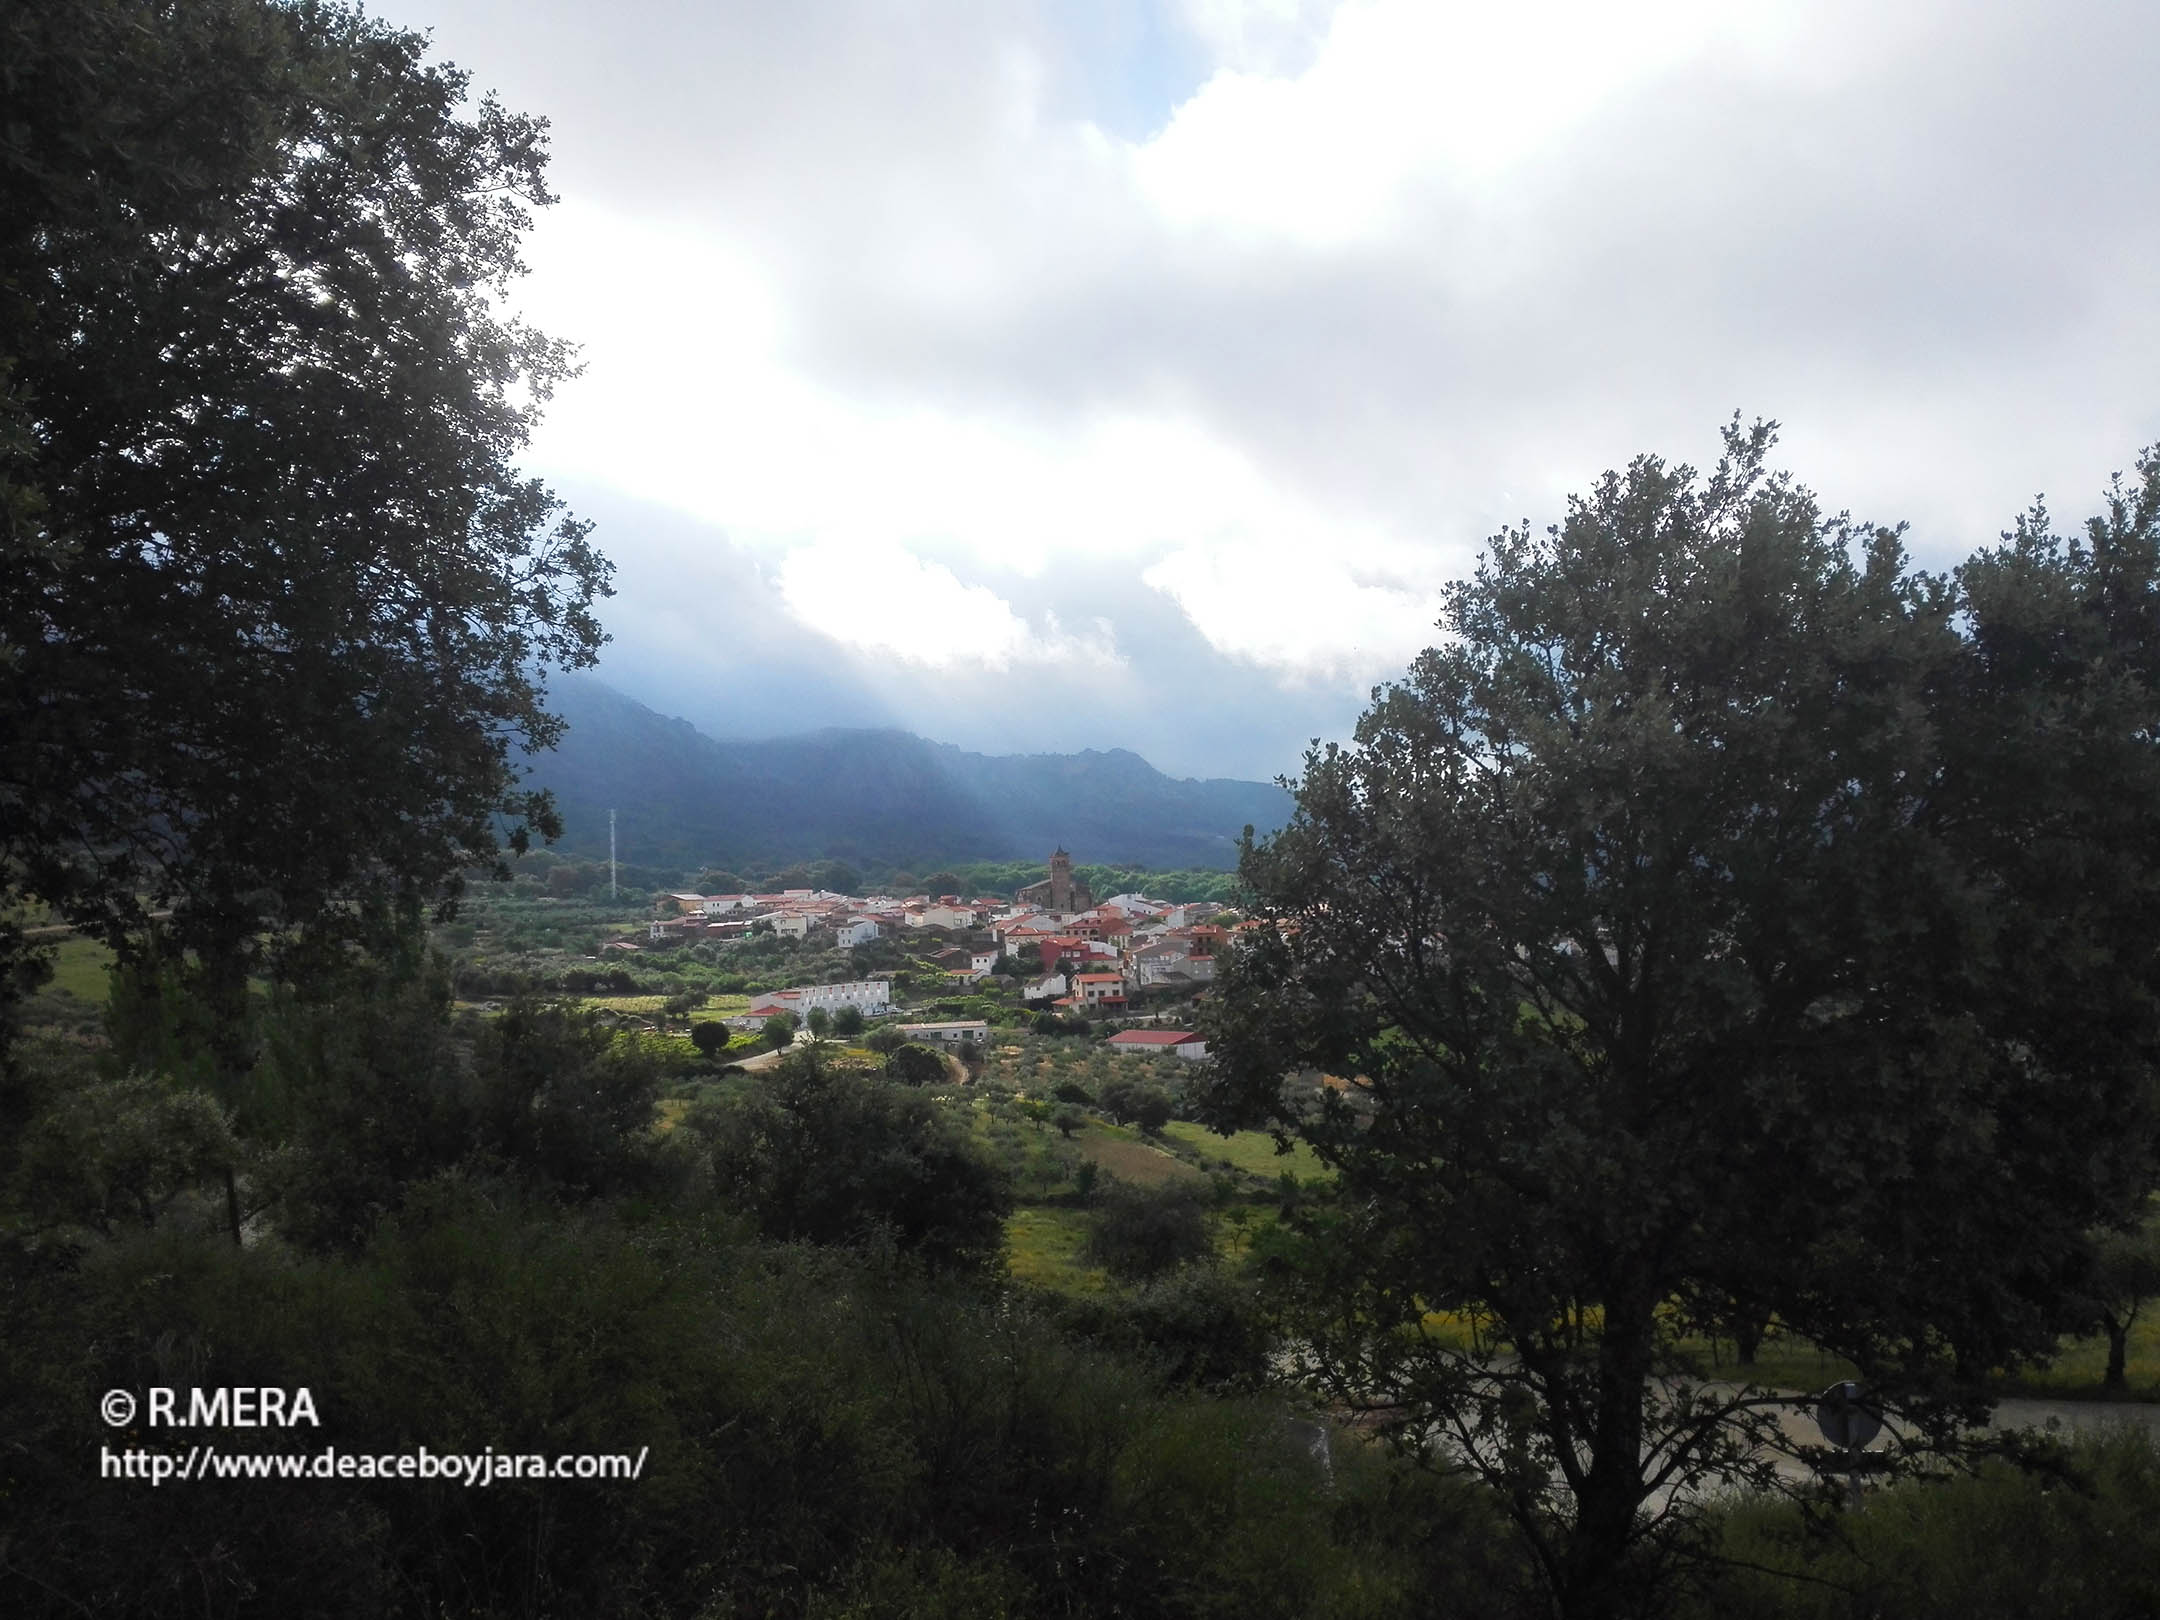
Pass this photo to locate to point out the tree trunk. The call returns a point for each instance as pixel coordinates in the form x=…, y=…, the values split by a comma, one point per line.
x=1748, y=1336
x=2118, y=1337
x=221, y=984
x=1594, y=1583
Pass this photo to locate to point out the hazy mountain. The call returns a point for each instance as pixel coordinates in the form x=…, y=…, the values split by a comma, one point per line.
x=685, y=798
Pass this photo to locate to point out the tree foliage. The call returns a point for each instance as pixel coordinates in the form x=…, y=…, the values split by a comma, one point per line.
x=1724, y=922
x=817, y=1155
x=277, y=603
x=913, y=1064
x=1137, y=1232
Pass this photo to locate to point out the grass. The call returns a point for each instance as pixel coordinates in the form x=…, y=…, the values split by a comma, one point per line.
x=2076, y=1372
x=1250, y=1151
x=649, y=1006
x=1042, y=1248
x=1121, y=1152
x=81, y=968
x=1782, y=1362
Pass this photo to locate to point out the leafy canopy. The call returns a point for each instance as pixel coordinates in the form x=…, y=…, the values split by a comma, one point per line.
x=1689, y=935
x=277, y=602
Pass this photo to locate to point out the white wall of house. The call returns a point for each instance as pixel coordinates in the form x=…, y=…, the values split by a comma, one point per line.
x=872, y=996
x=963, y=1033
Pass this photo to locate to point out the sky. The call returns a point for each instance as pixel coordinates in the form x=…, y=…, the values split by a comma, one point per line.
x=1040, y=377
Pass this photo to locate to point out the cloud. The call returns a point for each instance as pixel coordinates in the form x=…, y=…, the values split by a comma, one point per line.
x=1260, y=314
x=1300, y=612
x=878, y=598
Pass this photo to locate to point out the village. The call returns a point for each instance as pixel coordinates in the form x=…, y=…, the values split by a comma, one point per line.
x=1128, y=960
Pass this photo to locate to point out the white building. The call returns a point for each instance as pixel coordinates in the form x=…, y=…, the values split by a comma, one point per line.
x=857, y=931
x=960, y=1032
x=940, y=915
x=871, y=997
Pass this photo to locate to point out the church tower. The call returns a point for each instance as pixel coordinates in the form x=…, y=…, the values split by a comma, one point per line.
x=1061, y=883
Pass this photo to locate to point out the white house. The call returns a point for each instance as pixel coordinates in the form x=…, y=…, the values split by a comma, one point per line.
x=857, y=931
x=1183, y=1042
x=1133, y=906
x=940, y=915
x=872, y=997
x=959, y=1032
x=1099, y=989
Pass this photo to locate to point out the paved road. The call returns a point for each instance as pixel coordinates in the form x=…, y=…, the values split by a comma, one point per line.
x=1798, y=1422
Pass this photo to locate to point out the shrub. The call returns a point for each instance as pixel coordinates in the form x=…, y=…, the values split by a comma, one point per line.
x=914, y=1065
x=815, y=1155
x=1142, y=1232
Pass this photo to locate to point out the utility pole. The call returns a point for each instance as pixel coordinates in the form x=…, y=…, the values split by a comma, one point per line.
x=611, y=856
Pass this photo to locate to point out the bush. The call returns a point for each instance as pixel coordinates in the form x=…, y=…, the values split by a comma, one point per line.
x=1197, y=1325
x=559, y=1094
x=819, y=1156
x=2077, y=1535
x=1142, y=1232
x=711, y=1039
x=1151, y=1109
x=914, y=1065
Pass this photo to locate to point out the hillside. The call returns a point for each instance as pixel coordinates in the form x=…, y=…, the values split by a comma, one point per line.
x=683, y=797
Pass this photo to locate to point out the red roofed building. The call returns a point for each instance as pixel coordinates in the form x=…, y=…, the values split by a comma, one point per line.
x=1093, y=990
x=1183, y=1042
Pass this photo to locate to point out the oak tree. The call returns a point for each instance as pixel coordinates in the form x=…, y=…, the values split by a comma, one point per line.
x=1723, y=923
x=278, y=604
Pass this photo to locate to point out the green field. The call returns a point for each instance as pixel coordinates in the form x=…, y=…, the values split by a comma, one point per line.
x=81, y=968
x=1125, y=1155
x=1042, y=1248
x=649, y=1006
x=1250, y=1151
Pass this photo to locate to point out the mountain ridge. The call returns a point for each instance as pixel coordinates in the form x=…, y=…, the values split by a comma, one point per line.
x=871, y=794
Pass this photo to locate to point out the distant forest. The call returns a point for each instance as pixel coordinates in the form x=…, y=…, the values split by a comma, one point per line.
x=844, y=877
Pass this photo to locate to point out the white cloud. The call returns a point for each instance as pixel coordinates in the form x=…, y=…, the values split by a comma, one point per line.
x=1403, y=93
x=881, y=599
x=1303, y=612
